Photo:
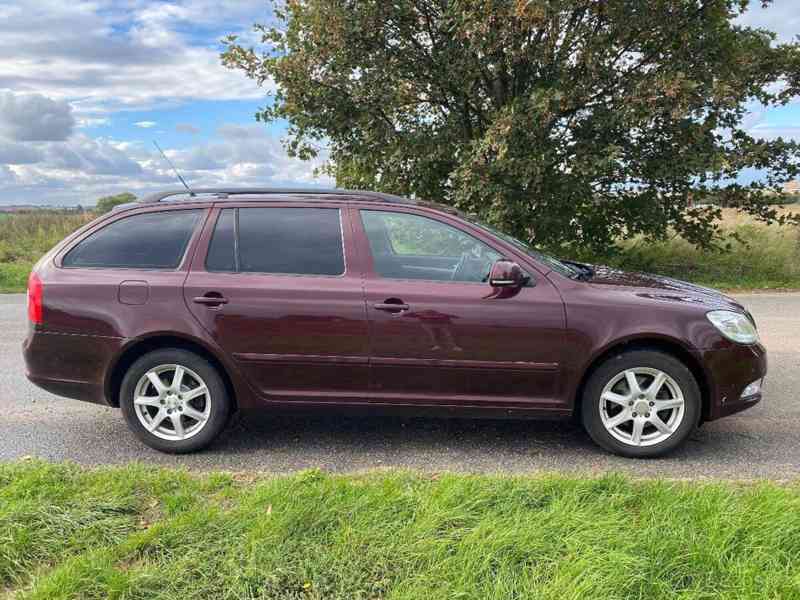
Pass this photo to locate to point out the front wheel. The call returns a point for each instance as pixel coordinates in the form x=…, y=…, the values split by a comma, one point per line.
x=174, y=401
x=642, y=403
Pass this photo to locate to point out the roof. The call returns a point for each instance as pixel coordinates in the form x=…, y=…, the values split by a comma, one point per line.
x=281, y=193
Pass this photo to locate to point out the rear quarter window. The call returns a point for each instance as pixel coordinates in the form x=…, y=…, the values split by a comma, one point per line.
x=155, y=240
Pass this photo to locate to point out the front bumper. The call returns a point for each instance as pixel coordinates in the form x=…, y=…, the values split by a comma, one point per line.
x=729, y=371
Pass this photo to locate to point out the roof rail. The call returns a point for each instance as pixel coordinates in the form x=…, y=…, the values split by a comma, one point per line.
x=226, y=192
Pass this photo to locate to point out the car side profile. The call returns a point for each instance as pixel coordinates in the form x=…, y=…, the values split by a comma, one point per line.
x=182, y=309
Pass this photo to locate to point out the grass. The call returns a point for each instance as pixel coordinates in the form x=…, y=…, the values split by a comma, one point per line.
x=25, y=237
x=769, y=257
x=141, y=532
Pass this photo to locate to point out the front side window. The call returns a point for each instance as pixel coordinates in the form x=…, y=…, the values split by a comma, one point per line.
x=408, y=246
x=280, y=240
x=155, y=240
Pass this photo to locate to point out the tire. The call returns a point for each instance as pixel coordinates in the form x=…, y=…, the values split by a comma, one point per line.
x=610, y=401
x=166, y=418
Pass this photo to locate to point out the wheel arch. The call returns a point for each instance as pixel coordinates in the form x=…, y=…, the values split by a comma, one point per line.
x=667, y=346
x=141, y=346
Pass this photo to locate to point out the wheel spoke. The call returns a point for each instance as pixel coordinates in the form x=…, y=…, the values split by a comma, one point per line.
x=665, y=404
x=616, y=398
x=200, y=390
x=655, y=386
x=156, y=420
x=177, y=425
x=633, y=384
x=619, y=419
x=636, y=433
x=193, y=414
x=146, y=401
x=660, y=425
x=177, y=379
x=157, y=383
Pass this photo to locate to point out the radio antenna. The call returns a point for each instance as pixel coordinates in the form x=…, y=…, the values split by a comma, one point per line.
x=174, y=170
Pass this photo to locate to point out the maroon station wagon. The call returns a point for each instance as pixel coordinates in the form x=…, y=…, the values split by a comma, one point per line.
x=183, y=309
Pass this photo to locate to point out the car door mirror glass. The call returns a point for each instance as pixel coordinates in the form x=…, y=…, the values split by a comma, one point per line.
x=506, y=274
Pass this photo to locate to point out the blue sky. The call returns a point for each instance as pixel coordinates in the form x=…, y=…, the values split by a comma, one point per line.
x=87, y=85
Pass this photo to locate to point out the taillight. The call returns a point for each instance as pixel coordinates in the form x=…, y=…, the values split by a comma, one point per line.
x=35, y=293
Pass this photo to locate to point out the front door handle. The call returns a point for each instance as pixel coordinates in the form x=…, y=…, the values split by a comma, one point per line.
x=211, y=299
x=393, y=307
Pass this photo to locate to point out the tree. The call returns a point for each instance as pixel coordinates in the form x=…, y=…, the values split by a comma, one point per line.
x=566, y=122
x=106, y=203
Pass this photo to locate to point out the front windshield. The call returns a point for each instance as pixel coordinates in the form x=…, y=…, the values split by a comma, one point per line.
x=550, y=261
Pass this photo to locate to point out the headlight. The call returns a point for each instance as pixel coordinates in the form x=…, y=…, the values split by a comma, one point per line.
x=734, y=326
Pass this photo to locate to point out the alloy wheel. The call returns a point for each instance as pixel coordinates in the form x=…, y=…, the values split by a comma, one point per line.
x=172, y=402
x=642, y=406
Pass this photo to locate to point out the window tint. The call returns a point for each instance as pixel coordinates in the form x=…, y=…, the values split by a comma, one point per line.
x=408, y=246
x=222, y=250
x=143, y=241
x=298, y=241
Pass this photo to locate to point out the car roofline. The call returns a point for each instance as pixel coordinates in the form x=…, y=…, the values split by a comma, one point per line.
x=226, y=193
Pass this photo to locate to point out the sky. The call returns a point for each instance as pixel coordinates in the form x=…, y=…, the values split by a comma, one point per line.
x=87, y=85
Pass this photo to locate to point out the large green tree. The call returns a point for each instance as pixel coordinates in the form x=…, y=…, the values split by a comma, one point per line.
x=567, y=122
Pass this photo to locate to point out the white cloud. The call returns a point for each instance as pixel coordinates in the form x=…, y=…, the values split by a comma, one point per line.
x=33, y=117
x=187, y=128
x=82, y=169
x=84, y=122
x=781, y=16
x=15, y=153
x=145, y=124
x=106, y=55
x=90, y=156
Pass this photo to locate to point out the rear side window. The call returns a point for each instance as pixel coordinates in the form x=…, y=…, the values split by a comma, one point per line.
x=155, y=240
x=296, y=241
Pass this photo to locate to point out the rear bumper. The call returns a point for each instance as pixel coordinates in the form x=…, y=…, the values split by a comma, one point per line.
x=70, y=365
x=730, y=370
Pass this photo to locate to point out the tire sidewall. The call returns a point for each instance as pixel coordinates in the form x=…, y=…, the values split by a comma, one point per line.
x=590, y=403
x=220, y=401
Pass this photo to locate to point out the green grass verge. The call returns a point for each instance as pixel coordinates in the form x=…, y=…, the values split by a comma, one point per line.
x=766, y=258
x=139, y=532
x=14, y=276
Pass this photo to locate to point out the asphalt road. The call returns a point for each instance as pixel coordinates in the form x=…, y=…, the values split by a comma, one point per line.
x=761, y=442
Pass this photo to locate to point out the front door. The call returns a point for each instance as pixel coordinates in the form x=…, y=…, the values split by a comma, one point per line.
x=275, y=291
x=439, y=333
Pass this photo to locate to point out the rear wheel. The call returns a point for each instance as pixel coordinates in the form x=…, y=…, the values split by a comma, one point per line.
x=174, y=401
x=641, y=403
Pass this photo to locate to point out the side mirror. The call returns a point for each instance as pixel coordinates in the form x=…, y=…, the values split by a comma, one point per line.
x=506, y=274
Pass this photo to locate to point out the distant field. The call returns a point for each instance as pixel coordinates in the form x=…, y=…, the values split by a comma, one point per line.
x=769, y=258
x=24, y=237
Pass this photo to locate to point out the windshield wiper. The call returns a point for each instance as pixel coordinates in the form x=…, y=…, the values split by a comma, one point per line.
x=582, y=271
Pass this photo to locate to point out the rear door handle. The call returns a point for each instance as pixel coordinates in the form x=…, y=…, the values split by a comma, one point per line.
x=210, y=300
x=390, y=307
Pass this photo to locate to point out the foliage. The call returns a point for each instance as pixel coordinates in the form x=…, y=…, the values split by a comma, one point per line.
x=25, y=237
x=759, y=257
x=106, y=203
x=565, y=122
x=140, y=532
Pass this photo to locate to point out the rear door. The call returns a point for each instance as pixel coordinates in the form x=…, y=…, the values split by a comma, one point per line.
x=276, y=292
